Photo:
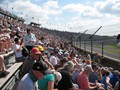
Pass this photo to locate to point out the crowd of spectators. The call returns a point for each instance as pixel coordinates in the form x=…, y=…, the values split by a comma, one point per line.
x=51, y=64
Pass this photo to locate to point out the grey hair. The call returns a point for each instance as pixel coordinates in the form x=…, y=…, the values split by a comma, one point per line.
x=88, y=68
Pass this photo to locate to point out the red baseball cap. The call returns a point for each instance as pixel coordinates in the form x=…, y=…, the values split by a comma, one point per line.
x=35, y=50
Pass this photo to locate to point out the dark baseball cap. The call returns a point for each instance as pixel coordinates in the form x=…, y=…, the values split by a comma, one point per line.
x=40, y=66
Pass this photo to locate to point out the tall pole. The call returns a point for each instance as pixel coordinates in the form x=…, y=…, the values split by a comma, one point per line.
x=91, y=37
x=102, y=49
x=76, y=36
x=85, y=44
x=81, y=37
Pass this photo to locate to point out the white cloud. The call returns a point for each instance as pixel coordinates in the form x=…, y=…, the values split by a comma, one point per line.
x=32, y=10
x=93, y=16
x=108, y=6
x=52, y=8
x=51, y=4
x=116, y=7
x=84, y=10
x=85, y=16
x=74, y=7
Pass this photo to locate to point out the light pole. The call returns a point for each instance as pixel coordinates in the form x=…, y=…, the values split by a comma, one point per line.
x=81, y=37
x=91, y=37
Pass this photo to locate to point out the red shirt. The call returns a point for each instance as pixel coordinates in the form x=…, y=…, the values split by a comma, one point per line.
x=83, y=81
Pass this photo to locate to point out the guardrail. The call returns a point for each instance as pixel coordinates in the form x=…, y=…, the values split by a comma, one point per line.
x=8, y=82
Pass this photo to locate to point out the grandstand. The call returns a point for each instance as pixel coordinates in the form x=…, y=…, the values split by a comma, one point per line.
x=53, y=45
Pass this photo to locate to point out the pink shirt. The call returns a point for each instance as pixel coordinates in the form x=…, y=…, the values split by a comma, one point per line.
x=83, y=81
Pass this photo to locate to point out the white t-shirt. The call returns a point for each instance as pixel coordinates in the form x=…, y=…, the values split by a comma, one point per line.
x=17, y=54
x=28, y=38
x=53, y=60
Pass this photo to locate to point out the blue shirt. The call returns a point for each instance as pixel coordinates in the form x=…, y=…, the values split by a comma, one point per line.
x=93, y=77
x=26, y=83
x=104, y=82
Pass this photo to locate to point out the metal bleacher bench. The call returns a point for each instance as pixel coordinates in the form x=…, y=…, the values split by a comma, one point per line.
x=8, y=82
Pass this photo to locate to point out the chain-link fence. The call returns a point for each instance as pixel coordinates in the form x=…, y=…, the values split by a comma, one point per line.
x=107, y=47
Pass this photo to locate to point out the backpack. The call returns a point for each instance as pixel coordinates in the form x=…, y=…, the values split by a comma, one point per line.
x=25, y=52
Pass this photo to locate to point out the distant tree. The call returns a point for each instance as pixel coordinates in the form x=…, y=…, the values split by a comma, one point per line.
x=118, y=40
x=118, y=37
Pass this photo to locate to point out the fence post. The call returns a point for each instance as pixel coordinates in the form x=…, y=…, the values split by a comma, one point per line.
x=102, y=50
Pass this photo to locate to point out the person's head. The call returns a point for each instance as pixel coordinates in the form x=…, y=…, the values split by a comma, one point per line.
x=96, y=53
x=107, y=72
x=28, y=31
x=94, y=67
x=110, y=69
x=88, y=69
x=88, y=62
x=35, y=53
x=66, y=54
x=17, y=40
x=55, y=52
x=41, y=49
x=116, y=72
x=79, y=67
x=13, y=32
x=58, y=77
x=39, y=68
x=69, y=66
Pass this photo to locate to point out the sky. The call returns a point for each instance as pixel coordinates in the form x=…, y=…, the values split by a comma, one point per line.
x=69, y=15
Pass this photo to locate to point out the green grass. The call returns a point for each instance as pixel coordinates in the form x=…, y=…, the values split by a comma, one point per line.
x=112, y=48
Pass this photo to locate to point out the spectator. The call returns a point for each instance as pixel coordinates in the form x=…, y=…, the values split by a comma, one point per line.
x=28, y=63
x=117, y=85
x=44, y=57
x=83, y=81
x=114, y=77
x=58, y=77
x=61, y=63
x=18, y=50
x=106, y=80
x=54, y=59
x=29, y=40
x=66, y=81
x=29, y=81
x=96, y=58
x=76, y=73
x=93, y=77
x=3, y=71
x=47, y=83
x=88, y=57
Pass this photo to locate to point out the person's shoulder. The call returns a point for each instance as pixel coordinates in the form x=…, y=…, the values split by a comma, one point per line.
x=49, y=75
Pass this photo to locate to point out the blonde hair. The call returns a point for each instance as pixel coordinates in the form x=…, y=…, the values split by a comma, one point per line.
x=69, y=66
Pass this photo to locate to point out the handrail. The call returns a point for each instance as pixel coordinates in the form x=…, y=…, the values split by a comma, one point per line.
x=10, y=79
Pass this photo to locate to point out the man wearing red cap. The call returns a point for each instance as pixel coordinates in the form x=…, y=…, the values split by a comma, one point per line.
x=28, y=63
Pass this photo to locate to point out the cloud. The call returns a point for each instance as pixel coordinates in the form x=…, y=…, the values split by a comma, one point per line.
x=91, y=16
x=52, y=8
x=82, y=9
x=74, y=8
x=30, y=9
x=108, y=6
x=116, y=7
x=72, y=17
